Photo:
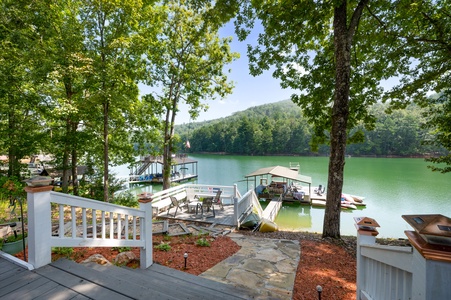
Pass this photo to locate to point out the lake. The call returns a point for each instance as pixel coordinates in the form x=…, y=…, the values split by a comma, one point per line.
x=392, y=187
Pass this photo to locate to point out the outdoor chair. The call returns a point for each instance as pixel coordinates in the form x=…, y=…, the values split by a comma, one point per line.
x=320, y=190
x=206, y=205
x=175, y=203
x=217, y=199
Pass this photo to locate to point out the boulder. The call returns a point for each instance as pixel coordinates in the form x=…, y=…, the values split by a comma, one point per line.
x=124, y=257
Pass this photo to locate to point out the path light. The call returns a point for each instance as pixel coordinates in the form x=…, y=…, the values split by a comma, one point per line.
x=319, y=289
x=185, y=256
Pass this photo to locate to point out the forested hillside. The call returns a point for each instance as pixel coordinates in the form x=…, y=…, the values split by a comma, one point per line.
x=280, y=129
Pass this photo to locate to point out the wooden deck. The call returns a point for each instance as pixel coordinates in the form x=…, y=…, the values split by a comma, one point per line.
x=66, y=279
x=222, y=217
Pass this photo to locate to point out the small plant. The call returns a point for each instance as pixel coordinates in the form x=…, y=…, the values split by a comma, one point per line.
x=14, y=238
x=202, y=242
x=163, y=247
x=125, y=199
x=63, y=251
x=122, y=249
x=167, y=237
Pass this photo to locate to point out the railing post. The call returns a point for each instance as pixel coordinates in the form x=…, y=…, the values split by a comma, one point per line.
x=146, y=259
x=39, y=225
x=366, y=235
x=235, y=211
x=431, y=256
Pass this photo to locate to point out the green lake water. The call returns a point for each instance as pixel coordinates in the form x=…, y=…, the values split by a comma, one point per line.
x=392, y=187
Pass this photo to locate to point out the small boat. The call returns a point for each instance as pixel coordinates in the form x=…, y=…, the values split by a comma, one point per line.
x=318, y=203
x=251, y=221
x=356, y=200
x=347, y=205
x=267, y=225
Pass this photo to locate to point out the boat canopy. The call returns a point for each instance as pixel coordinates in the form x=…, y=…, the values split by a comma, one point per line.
x=279, y=171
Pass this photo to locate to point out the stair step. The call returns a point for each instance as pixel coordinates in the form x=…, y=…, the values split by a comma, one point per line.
x=174, y=283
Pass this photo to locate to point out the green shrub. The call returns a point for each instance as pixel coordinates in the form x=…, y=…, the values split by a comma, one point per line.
x=122, y=249
x=125, y=199
x=202, y=242
x=64, y=251
x=163, y=247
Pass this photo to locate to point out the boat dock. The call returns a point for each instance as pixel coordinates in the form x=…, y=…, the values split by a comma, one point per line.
x=149, y=169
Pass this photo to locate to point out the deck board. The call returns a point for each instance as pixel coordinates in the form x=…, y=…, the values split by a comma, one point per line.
x=66, y=279
x=79, y=284
x=222, y=217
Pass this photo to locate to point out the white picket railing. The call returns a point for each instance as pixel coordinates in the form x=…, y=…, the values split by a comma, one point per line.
x=385, y=272
x=81, y=222
x=244, y=206
x=108, y=225
x=402, y=273
x=161, y=200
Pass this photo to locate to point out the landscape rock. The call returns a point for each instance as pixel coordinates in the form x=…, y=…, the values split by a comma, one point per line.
x=98, y=259
x=124, y=258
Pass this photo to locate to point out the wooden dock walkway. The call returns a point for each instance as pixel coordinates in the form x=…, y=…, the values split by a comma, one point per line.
x=272, y=209
x=65, y=279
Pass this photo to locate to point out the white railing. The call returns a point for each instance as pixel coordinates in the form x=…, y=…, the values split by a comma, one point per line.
x=161, y=200
x=244, y=205
x=81, y=222
x=385, y=272
x=421, y=272
x=86, y=222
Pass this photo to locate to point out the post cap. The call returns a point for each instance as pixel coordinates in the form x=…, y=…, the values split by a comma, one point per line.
x=39, y=181
x=145, y=197
x=365, y=223
x=433, y=228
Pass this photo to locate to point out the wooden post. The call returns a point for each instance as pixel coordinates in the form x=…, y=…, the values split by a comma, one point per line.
x=366, y=235
x=39, y=225
x=146, y=259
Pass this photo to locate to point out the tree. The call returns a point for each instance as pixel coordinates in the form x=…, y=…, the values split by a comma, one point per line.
x=19, y=99
x=335, y=54
x=110, y=28
x=186, y=64
x=66, y=69
x=424, y=29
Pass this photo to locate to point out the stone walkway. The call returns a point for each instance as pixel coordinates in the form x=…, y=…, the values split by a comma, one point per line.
x=266, y=266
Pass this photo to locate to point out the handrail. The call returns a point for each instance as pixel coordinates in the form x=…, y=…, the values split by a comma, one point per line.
x=81, y=222
x=110, y=216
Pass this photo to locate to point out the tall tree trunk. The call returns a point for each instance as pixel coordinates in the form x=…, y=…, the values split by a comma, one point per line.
x=340, y=114
x=74, y=160
x=105, y=151
x=65, y=177
x=13, y=163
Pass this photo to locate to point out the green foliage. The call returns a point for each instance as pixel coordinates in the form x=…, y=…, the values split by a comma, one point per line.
x=13, y=238
x=122, y=249
x=11, y=187
x=64, y=251
x=438, y=118
x=163, y=247
x=287, y=132
x=203, y=242
x=125, y=198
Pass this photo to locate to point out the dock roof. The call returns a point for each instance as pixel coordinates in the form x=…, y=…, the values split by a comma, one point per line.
x=279, y=171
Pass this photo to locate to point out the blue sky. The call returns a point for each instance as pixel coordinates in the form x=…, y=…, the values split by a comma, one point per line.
x=249, y=91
